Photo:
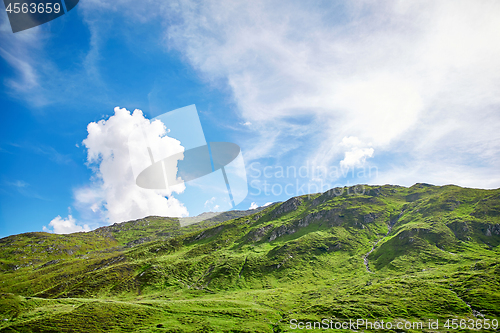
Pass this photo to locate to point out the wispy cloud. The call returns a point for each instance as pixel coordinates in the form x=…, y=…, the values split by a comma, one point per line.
x=22, y=51
x=3, y=150
x=418, y=77
x=23, y=188
x=52, y=154
x=28, y=79
x=211, y=205
x=44, y=150
x=18, y=184
x=37, y=79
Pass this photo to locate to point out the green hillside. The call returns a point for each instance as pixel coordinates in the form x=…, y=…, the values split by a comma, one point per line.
x=392, y=253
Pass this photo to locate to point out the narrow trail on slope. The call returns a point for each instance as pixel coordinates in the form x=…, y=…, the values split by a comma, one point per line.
x=365, y=257
x=475, y=313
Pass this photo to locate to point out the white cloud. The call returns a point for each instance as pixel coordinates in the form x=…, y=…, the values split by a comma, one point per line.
x=350, y=141
x=416, y=78
x=253, y=205
x=356, y=155
x=113, y=194
x=211, y=205
x=209, y=201
x=65, y=225
x=266, y=204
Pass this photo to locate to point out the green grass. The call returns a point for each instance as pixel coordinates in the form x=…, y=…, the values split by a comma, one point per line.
x=301, y=259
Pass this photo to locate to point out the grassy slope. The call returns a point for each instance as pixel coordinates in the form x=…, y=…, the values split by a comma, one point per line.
x=301, y=259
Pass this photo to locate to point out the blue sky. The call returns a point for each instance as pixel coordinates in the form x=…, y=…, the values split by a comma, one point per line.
x=394, y=92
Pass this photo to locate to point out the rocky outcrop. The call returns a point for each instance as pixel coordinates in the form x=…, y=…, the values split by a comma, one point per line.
x=259, y=233
x=333, y=217
x=287, y=207
x=282, y=231
x=137, y=242
x=466, y=229
x=493, y=229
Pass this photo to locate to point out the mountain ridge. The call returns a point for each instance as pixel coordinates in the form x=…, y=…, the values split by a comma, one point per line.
x=305, y=258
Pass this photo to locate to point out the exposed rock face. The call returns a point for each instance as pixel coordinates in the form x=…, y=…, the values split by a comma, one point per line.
x=258, y=234
x=333, y=217
x=493, y=230
x=464, y=231
x=282, y=231
x=287, y=207
x=137, y=242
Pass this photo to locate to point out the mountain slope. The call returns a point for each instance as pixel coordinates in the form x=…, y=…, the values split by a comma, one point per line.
x=390, y=252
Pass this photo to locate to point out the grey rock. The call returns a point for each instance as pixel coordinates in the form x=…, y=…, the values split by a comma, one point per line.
x=287, y=207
